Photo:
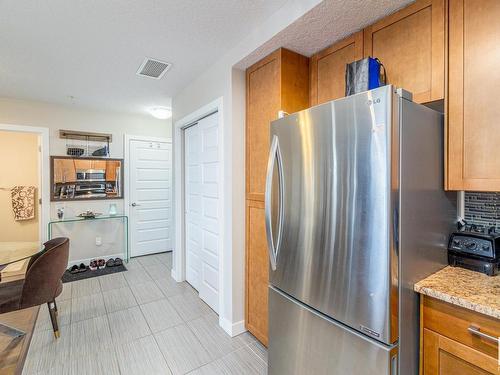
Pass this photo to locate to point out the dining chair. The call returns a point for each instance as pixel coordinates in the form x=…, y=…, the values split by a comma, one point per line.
x=42, y=284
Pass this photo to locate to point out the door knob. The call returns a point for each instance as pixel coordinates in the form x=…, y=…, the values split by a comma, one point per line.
x=135, y=204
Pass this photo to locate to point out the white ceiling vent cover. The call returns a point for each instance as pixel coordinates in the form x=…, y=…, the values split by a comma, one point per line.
x=152, y=68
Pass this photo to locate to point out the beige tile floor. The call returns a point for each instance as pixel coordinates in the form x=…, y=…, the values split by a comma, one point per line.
x=139, y=322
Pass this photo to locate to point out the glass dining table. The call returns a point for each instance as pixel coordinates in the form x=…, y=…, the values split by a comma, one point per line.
x=14, y=258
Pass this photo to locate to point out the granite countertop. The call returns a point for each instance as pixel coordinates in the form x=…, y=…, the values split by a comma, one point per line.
x=471, y=290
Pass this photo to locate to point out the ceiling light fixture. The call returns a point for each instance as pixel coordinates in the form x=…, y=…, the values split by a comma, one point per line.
x=161, y=113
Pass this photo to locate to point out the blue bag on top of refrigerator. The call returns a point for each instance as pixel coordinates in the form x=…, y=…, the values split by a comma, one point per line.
x=364, y=75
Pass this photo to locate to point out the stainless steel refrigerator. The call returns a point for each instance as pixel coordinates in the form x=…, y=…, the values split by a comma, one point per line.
x=355, y=215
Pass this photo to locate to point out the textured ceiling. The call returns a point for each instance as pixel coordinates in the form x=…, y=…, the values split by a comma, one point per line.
x=86, y=52
x=53, y=50
x=328, y=22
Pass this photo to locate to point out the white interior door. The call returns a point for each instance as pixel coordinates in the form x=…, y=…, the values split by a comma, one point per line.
x=192, y=185
x=201, y=163
x=150, y=197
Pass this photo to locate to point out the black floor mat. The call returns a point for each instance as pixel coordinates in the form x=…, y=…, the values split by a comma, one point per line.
x=69, y=277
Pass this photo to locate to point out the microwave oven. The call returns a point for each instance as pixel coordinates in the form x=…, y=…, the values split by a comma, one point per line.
x=91, y=175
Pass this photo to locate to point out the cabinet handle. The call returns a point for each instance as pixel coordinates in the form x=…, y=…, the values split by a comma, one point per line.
x=477, y=332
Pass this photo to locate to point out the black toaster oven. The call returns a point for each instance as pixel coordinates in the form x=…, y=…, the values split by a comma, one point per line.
x=477, y=251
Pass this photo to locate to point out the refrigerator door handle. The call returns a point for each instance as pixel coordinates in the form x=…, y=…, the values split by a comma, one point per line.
x=274, y=158
x=395, y=229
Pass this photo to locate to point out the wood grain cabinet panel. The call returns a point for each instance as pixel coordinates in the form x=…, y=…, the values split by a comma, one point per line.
x=98, y=164
x=111, y=168
x=443, y=356
x=327, y=69
x=411, y=45
x=257, y=269
x=474, y=84
x=64, y=170
x=263, y=104
x=280, y=81
x=447, y=346
x=82, y=164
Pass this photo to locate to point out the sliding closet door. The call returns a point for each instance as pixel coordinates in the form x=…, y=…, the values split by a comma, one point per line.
x=201, y=161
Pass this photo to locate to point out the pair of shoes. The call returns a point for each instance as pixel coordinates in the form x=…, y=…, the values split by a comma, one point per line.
x=78, y=269
x=97, y=264
x=114, y=262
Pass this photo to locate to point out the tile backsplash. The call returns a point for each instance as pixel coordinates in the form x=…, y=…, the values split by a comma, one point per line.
x=483, y=209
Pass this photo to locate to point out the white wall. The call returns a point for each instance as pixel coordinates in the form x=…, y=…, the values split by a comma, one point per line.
x=223, y=80
x=55, y=117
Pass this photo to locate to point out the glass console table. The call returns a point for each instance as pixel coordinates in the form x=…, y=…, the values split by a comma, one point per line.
x=122, y=218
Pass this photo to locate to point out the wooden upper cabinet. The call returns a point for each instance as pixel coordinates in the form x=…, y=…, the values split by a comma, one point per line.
x=327, y=69
x=111, y=168
x=64, y=170
x=473, y=131
x=98, y=164
x=411, y=45
x=263, y=104
x=278, y=82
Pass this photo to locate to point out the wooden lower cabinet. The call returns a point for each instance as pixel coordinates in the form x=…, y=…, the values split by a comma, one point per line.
x=443, y=356
x=257, y=271
x=447, y=346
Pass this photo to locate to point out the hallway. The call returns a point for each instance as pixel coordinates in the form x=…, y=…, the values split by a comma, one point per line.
x=139, y=322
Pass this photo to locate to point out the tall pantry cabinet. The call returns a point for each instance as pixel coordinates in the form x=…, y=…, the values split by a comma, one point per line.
x=280, y=81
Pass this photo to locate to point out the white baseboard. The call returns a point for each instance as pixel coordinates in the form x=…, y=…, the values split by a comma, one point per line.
x=232, y=329
x=175, y=276
x=86, y=261
x=154, y=252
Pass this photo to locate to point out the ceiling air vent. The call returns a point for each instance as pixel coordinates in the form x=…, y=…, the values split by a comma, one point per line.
x=153, y=68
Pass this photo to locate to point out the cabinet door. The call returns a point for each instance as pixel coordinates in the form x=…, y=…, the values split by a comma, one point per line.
x=64, y=170
x=327, y=69
x=411, y=45
x=111, y=167
x=82, y=164
x=257, y=272
x=263, y=104
x=443, y=356
x=99, y=164
x=474, y=84
x=454, y=322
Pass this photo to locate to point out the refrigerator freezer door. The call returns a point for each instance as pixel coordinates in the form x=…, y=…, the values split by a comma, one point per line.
x=338, y=218
x=301, y=341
